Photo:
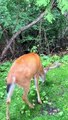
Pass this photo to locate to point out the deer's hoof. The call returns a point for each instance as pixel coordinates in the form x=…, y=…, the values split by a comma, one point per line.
x=31, y=106
x=39, y=101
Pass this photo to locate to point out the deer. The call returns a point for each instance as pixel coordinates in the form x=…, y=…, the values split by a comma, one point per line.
x=22, y=71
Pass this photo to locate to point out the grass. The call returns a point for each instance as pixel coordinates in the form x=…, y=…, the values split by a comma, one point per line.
x=54, y=94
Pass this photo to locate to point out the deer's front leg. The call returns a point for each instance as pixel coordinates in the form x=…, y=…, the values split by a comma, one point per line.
x=37, y=88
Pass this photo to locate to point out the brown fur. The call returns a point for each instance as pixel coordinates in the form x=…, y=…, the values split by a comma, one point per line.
x=23, y=69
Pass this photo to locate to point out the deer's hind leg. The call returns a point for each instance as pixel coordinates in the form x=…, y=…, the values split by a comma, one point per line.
x=26, y=88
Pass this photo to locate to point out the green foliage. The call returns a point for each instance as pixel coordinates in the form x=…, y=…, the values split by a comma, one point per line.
x=47, y=4
x=49, y=17
x=42, y=2
x=12, y=13
x=55, y=58
x=5, y=17
x=34, y=49
x=1, y=32
x=4, y=68
x=50, y=59
x=63, y=5
x=15, y=14
x=65, y=59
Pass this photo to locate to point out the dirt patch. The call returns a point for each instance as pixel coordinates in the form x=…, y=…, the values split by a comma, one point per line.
x=49, y=109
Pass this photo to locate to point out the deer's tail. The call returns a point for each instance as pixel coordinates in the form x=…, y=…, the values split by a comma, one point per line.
x=10, y=89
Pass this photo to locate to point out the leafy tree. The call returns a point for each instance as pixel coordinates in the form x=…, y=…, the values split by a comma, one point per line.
x=16, y=14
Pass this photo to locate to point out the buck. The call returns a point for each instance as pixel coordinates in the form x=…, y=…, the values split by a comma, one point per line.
x=22, y=70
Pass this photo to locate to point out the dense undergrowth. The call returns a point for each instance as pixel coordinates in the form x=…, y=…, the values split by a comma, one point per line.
x=54, y=94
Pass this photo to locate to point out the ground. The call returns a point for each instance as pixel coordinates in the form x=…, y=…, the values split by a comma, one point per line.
x=54, y=95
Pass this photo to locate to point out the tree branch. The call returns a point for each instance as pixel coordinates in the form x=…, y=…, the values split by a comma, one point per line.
x=23, y=29
x=17, y=33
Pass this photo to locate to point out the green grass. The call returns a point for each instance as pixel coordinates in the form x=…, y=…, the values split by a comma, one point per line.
x=54, y=94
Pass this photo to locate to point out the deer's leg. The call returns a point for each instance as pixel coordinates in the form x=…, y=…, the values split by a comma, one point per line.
x=36, y=77
x=7, y=112
x=10, y=89
x=25, y=98
x=8, y=102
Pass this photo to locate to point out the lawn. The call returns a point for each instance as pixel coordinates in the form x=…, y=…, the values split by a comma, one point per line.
x=54, y=94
